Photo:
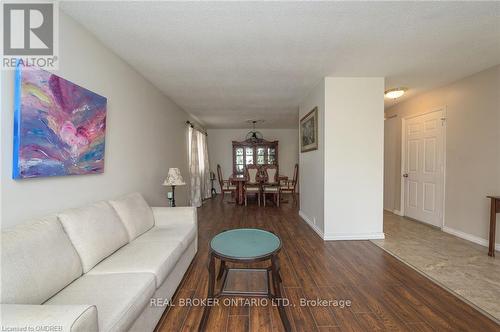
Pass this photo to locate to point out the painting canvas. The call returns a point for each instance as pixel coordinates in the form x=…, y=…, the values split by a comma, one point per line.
x=59, y=127
x=309, y=131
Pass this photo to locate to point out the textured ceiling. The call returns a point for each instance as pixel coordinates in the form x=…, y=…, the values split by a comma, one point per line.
x=226, y=62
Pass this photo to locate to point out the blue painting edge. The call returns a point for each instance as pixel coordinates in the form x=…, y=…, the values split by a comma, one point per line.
x=17, y=121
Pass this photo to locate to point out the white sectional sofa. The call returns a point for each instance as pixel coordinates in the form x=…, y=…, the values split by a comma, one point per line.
x=95, y=268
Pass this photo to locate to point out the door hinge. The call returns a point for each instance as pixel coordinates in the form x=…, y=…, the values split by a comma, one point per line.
x=443, y=121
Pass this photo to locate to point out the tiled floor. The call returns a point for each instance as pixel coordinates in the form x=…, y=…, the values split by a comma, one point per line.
x=458, y=265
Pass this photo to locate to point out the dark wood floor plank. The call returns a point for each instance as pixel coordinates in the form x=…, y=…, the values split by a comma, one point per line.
x=329, y=329
x=375, y=300
x=260, y=318
x=300, y=315
x=421, y=327
x=434, y=319
x=218, y=319
x=276, y=320
x=450, y=307
x=176, y=313
x=322, y=314
x=347, y=320
x=237, y=323
x=385, y=294
x=288, y=273
x=341, y=292
x=194, y=313
x=370, y=322
x=241, y=309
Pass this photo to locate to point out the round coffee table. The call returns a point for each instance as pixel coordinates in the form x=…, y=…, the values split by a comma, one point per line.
x=245, y=245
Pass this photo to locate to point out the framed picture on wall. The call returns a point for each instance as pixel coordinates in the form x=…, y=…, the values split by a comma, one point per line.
x=59, y=127
x=309, y=131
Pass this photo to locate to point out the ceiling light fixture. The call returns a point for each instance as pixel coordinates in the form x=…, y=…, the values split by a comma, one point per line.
x=395, y=93
x=254, y=135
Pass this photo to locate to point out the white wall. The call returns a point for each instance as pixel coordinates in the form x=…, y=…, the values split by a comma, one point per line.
x=145, y=135
x=220, y=148
x=391, y=185
x=354, y=152
x=311, y=164
x=472, y=148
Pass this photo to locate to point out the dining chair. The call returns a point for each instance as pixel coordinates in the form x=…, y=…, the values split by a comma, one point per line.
x=252, y=184
x=290, y=186
x=225, y=185
x=271, y=183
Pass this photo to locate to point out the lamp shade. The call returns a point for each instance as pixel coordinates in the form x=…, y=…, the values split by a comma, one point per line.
x=174, y=178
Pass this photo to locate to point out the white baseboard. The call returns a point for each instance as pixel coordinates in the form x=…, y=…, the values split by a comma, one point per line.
x=337, y=237
x=361, y=236
x=311, y=224
x=469, y=237
x=398, y=212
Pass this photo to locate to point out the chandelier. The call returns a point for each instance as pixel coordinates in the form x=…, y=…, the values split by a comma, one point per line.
x=254, y=135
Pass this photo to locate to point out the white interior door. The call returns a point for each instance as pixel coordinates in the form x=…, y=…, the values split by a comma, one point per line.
x=423, y=171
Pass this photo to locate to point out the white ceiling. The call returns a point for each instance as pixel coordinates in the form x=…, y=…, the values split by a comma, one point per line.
x=226, y=62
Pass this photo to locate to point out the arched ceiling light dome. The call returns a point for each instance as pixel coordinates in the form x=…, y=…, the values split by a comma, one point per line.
x=395, y=93
x=254, y=135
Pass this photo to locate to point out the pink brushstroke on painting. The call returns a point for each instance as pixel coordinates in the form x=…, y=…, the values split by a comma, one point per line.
x=59, y=127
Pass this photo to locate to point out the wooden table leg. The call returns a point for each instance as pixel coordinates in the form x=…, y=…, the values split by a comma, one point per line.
x=239, y=192
x=493, y=223
x=242, y=189
x=277, y=292
x=210, y=294
x=222, y=268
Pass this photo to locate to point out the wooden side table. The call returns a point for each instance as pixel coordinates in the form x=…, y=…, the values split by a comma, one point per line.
x=495, y=208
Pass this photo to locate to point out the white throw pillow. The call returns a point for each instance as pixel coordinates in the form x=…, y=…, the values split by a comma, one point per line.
x=95, y=231
x=135, y=214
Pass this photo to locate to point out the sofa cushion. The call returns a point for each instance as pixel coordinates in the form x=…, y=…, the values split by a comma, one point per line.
x=119, y=298
x=185, y=233
x=157, y=257
x=135, y=214
x=95, y=231
x=38, y=260
x=172, y=216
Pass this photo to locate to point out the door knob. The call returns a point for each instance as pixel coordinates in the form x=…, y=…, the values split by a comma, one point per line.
x=405, y=175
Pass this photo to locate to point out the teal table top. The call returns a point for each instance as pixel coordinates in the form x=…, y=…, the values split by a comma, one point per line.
x=245, y=243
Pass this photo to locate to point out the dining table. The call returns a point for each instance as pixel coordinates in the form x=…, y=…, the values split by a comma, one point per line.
x=239, y=180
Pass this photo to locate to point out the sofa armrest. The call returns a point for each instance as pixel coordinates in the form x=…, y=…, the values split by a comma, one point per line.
x=46, y=317
x=168, y=216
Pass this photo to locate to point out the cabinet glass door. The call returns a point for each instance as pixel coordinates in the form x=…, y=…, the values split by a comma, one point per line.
x=248, y=156
x=271, y=155
x=239, y=160
x=261, y=156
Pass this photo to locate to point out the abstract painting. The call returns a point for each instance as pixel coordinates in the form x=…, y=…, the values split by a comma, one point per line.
x=309, y=131
x=59, y=127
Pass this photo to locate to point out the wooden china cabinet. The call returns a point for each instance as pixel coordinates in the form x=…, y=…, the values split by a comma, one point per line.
x=254, y=152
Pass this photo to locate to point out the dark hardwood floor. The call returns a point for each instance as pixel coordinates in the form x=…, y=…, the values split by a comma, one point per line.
x=385, y=294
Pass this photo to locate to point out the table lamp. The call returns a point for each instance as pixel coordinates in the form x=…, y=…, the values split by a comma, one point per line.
x=174, y=178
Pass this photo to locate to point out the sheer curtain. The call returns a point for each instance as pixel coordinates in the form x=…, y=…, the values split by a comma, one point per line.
x=206, y=184
x=199, y=168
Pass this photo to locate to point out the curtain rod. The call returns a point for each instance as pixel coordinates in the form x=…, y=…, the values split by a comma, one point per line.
x=192, y=125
